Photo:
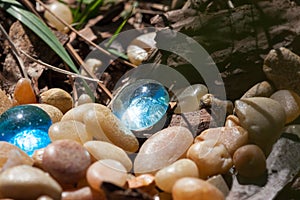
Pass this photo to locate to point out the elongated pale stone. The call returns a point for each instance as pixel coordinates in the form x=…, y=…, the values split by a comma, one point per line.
x=103, y=150
x=103, y=125
x=189, y=98
x=106, y=170
x=12, y=155
x=61, y=10
x=263, y=118
x=212, y=158
x=162, y=149
x=231, y=137
x=28, y=183
x=93, y=126
x=167, y=176
x=69, y=129
x=290, y=101
x=78, y=112
x=195, y=189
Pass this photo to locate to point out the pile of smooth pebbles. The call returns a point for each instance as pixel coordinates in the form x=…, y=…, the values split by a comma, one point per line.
x=92, y=155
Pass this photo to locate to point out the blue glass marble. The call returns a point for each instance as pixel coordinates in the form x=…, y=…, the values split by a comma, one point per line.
x=25, y=126
x=141, y=104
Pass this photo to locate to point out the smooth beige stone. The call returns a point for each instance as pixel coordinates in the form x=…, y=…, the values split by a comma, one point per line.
x=103, y=150
x=104, y=125
x=219, y=182
x=290, y=102
x=262, y=89
x=231, y=137
x=106, y=170
x=162, y=149
x=69, y=129
x=66, y=160
x=54, y=113
x=61, y=10
x=166, y=177
x=58, y=98
x=28, y=183
x=195, y=189
x=11, y=155
x=263, y=118
x=189, y=99
x=212, y=158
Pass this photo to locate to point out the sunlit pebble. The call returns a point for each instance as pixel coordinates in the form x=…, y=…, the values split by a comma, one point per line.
x=61, y=10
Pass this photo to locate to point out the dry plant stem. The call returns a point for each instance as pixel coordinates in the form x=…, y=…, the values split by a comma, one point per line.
x=86, y=39
x=29, y=5
x=15, y=52
x=80, y=62
x=58, y=69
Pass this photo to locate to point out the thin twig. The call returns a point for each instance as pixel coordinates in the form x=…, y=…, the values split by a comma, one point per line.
x=81, y=63
x=58, y=69
x=29, y=5
x=86, y=39
x=15, y=52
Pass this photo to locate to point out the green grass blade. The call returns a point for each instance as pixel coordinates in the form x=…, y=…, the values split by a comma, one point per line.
x=16, y=9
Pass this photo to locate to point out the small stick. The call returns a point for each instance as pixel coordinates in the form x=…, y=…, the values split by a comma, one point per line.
x=15, y=52
x=58, y=69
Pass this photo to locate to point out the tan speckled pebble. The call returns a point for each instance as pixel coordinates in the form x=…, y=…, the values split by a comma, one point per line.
x=195, y=189
x=162, y=149
x=69, y=129
x=103, y=150
x=66, y=160
x=59, y=98
x=166, y=177
x=211, y=158
x=28, y=183
x=10, y=155
x=54, y=113
x=106, y=170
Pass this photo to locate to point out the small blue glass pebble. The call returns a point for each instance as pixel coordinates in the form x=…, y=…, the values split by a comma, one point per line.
x=141, y=104
x=26, y=127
